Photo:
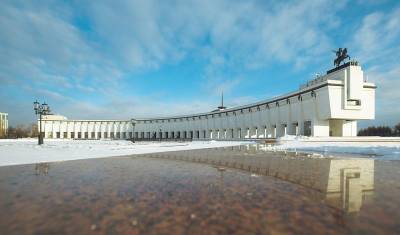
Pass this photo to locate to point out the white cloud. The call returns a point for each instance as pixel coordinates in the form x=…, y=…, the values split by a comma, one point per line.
x=246, y=33
x=377, y=44
x=45, y=47
x=129, y=107
x=40, y=46
x=378, y=36
x=387, y=95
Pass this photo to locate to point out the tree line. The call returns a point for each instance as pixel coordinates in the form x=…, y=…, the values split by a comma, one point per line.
x=21, y=131
x=380, y=131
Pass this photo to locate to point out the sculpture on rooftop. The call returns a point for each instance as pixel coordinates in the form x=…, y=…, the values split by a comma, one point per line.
x=341, y=55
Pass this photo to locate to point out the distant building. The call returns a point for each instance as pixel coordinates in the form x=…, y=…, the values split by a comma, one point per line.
x=3, y=125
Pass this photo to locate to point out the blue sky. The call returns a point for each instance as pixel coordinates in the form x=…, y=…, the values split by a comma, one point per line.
x=122, y=59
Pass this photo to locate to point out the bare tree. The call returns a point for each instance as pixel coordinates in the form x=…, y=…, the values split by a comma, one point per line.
x=397, y=129
x=34, y=130
x=23, y=131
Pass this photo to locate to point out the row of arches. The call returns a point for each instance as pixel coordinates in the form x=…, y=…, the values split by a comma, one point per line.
x=272, y=131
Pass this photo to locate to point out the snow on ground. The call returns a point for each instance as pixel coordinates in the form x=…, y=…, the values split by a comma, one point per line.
x=26, y=151
x=378, y=148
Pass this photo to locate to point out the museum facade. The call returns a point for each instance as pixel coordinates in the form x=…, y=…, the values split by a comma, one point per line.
x=329, y=105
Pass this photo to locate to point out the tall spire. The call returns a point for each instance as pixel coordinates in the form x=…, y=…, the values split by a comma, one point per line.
x=222, y=107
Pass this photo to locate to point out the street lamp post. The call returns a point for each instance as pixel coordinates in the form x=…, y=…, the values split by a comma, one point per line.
x=40, y=109
x=133, y=121
x=160, y=131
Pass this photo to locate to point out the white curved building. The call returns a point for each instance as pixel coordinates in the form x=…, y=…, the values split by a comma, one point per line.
x=329, y=105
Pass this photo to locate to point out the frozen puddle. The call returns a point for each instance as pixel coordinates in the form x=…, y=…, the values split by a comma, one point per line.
x=387, y=150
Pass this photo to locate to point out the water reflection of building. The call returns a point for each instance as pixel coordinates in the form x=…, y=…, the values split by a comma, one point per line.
x=343, y=182
x=42, y=168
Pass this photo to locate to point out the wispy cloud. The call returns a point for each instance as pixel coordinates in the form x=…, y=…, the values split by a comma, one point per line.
x=377, y=43
x=85, y=57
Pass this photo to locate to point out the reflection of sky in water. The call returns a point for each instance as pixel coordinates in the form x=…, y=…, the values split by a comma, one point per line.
x=376, y=152
x=221, y=191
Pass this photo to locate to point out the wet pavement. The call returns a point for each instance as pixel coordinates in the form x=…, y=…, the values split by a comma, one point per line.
x=237, y=190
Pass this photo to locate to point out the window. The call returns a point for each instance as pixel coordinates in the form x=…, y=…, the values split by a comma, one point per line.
x=118, y=135
x=93, y=135
x=58, y=135
x=105, y=135
x=112, y=135
x=72, y=135
x=79, y=135
x=98, y=135
x=300, y=98
x=86, y=135
x=307, y=128
x=65, y=135
x=354, y=102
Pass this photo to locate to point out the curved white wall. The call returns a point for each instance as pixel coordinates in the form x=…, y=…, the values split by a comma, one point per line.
x=327, y=106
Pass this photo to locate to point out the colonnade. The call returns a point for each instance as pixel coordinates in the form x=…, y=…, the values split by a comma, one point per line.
x=87, y=129
x=329, y=105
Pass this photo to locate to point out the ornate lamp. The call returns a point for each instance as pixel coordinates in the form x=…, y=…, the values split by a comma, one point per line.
x=40, y=110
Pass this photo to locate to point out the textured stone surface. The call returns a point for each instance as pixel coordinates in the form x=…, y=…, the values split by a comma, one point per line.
x=156, y=195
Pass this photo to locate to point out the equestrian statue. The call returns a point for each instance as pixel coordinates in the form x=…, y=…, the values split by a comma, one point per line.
x=341, y=55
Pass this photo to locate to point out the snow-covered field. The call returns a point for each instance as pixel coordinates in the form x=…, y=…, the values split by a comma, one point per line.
x=25, y=151
x=377, y=148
